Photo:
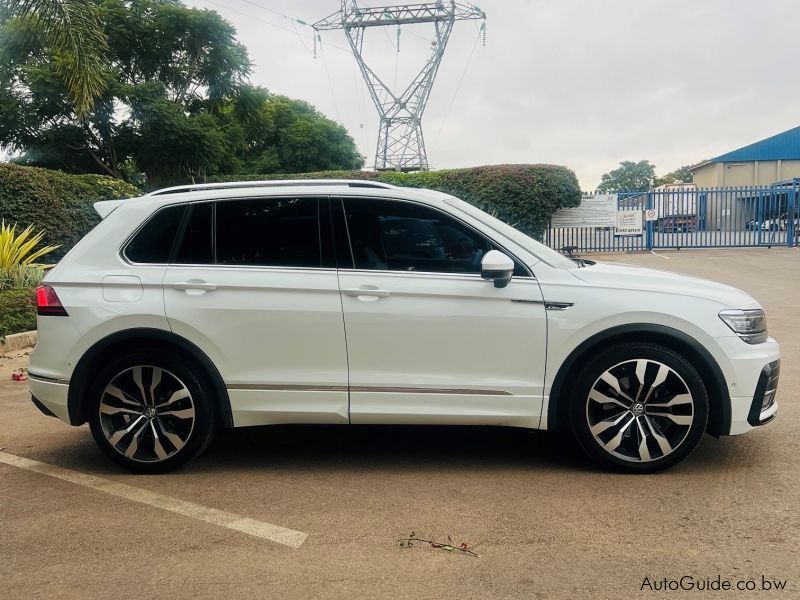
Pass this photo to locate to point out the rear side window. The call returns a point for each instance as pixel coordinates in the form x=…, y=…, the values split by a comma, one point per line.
x=153, y=243
x=276, y=232
x=197, y=243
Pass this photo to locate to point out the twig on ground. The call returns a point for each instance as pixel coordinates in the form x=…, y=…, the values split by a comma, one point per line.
x=449, y=546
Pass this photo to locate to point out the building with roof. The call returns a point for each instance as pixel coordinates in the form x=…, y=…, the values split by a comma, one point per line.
x=762, y=163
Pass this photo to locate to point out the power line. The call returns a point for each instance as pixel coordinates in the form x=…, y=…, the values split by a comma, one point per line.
x=330, y=83
x=270, y=23
x=455, y=94
x=273, y=11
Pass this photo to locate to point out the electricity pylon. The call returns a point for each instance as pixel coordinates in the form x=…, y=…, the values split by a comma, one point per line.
x=401, y=146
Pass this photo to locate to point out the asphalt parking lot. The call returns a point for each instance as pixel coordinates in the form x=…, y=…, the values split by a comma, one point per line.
x=547, y=524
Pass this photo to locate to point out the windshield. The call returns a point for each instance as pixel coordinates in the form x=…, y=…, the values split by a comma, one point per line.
x=548, y=255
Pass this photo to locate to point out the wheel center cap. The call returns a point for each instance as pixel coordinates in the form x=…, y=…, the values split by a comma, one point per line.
x=149, y=412
x=637, y=409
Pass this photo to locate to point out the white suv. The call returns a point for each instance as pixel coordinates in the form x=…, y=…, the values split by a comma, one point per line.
x=230, y=305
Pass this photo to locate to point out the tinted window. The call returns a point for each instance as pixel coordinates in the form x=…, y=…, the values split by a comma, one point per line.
x=400, y=236
x=197, y=243
x=281, y=232
x=154, y=241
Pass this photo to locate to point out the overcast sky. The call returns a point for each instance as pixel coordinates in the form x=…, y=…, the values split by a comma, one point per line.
x=582, y=83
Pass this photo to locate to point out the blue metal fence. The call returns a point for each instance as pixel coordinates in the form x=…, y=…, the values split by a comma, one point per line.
x=689, y=217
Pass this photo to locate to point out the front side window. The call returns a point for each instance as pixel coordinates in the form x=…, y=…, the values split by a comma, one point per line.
x=153, y=243
x=275, y=232
x=402, y=236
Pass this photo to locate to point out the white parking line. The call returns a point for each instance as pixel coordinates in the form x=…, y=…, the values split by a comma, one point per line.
x=259, y=529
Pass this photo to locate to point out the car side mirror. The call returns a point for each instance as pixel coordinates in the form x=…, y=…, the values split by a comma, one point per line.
x=497, y=267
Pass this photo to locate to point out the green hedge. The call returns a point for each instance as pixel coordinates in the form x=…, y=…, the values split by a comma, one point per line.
x=17, y=311
x=522, y=195
x=58, y=203
x=61, y=204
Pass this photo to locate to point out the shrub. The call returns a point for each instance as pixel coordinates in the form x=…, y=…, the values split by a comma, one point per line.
x=19, y=249
x=60, y=204
x=28, y=276
x=56, y=202
x=17, y=311
x=522, y=195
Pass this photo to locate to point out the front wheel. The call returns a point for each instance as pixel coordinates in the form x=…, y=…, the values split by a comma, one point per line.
x=638, y=407
x=151, y=411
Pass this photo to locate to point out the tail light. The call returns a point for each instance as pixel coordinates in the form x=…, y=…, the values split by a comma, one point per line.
x=47, y=302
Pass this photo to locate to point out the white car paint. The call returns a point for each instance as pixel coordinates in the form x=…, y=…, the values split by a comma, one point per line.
x=324, y=345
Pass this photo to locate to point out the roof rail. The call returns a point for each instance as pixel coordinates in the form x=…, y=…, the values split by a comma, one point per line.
x=232, y=185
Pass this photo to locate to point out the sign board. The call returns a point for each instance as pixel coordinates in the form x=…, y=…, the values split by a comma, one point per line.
x=629, y=222
x=651, y=214
x=598, y=210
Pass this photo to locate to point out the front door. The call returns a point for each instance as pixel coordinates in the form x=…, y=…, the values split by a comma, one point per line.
x=428, y=340
x=253, y=284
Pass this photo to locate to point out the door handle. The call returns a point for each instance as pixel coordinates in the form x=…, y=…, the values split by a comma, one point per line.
x=193, y=284
x=368, y=291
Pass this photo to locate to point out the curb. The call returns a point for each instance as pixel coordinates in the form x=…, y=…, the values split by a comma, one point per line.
x=18, y=341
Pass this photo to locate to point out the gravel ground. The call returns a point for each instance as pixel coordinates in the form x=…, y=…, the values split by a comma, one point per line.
x=549, y=525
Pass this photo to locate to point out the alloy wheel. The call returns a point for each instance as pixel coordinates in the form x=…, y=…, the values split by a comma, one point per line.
x=640, y=410
x=147, y=413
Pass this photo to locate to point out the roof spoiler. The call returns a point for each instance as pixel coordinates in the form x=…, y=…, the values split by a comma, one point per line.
x=106, y=207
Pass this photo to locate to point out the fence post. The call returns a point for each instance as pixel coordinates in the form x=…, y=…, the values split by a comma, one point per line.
x=649, y=224
x=791, y=212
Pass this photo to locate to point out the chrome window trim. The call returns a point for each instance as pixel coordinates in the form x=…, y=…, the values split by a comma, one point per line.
x=251, y=267
x=340, y=197
x=429, y=274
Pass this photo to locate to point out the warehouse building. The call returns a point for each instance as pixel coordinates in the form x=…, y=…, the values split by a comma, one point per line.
x=763, y=163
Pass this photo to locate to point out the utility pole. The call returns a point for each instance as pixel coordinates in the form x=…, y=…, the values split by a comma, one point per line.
x=401, y=146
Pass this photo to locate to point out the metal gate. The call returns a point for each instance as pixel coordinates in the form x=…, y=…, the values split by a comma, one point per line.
x=683, y=216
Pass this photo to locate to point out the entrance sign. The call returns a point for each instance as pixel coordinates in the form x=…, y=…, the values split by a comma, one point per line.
x=629, y=222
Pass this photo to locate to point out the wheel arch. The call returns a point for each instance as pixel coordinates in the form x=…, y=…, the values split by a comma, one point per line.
x=719, y=421
x=136, y=339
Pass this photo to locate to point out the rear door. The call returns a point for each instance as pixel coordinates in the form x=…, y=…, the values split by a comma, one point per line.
x=430, y=341
x=253, y=285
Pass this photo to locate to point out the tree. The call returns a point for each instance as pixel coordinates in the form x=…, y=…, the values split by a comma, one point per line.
x=629, y=177
x=680, y=175
x=70, y=31
x=175, y=103
x=291, y=136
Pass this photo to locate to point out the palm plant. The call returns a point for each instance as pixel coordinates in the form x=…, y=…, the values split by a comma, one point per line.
x=71, y=30
x=18, y=251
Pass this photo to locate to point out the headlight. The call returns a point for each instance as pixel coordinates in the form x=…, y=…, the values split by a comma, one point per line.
x=750, y=325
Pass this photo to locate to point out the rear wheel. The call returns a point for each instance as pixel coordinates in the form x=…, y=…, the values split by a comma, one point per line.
x=638, y=407
x=150, y=411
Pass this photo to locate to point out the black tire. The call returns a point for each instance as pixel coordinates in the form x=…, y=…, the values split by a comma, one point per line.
x=599, y=426
x=180, y=437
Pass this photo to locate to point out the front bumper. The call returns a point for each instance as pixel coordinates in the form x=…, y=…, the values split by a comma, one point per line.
x=761, y=408
x=765, y=406
x=747, y=370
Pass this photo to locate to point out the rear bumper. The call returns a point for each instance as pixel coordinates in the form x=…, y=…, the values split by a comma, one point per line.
x=50, y=395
